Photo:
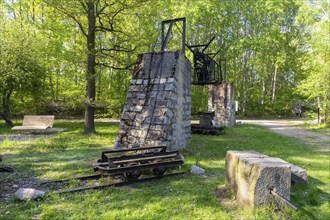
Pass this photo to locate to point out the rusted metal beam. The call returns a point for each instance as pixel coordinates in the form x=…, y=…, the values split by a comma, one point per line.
x=90, y=177
x=119, y=184
x=283, y=199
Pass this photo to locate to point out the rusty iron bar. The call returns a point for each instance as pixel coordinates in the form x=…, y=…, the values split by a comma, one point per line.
x=119, y=184
x=90, y=177
x=283, y=199
x=6, y=169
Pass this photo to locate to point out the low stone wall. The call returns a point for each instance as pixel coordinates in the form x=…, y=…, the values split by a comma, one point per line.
x=158, y=106
x=221, y=101
x=251, y=175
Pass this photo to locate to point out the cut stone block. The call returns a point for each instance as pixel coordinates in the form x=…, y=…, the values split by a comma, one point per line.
x=251, y=176
x=298, y=175
x=232, y=160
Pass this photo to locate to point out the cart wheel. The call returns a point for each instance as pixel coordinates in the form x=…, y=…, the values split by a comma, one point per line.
x=158, y=171
x=130, y=176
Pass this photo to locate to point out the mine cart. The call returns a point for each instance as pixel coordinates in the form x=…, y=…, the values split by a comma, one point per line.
x=131, y=162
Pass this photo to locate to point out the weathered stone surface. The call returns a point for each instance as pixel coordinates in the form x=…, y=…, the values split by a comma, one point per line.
x=221, y=101
x=28, y=193
x=298, y=175
x=232, y=159
x=158, y=103
x=197, y=170
x=251, y=176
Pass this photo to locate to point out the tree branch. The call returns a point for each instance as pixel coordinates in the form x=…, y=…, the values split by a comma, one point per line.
x=83, y=4
x=70, y=16
x=115, y=67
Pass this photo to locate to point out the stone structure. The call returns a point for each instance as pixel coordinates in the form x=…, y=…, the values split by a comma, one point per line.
x=158, y=106
x=251, y=175
x=221, y=101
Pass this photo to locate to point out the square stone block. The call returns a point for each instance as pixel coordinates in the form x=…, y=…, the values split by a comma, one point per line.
x=251, y=175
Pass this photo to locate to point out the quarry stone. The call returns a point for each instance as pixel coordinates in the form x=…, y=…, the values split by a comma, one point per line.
x=251, y=175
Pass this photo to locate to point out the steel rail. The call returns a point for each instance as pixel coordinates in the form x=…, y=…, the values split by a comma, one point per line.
x=119, y=184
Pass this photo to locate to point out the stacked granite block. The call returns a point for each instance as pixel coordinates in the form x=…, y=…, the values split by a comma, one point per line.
x=221, y=101
x=158, y=106
x=251, y=175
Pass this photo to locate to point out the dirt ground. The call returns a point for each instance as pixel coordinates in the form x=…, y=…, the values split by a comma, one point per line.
x=288, y=127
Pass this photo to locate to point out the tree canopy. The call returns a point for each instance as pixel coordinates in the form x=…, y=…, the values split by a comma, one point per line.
x=71, y=57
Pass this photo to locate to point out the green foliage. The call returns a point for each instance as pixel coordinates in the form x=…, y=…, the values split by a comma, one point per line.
x=21, y=69
x=316, y=86
x=272, y=49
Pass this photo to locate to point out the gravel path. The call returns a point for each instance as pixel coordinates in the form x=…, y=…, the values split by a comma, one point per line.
x=288, y=127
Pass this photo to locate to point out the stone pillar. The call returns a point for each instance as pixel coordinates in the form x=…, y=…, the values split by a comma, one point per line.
x=158, y=106
x=221, y=101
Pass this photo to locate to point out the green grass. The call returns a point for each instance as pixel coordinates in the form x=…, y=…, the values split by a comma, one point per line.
x=181, y=197
x=322, y=128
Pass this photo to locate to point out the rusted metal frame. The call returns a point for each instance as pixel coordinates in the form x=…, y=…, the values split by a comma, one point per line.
x=208, y=44
x=164, y=39
x=201, y=59
x=140, y=167
x=183, y=36
x=133, y=156
x=140, y=159
x=283, y=199
x=119, y=184
x=147, y=154
x=105, y=158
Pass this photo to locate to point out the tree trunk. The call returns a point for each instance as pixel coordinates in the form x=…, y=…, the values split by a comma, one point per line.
x=6, y=111
x=274, y=85
x=90, y=110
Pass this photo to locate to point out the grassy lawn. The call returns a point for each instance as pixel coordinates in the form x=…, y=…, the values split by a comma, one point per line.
x=180, y=197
